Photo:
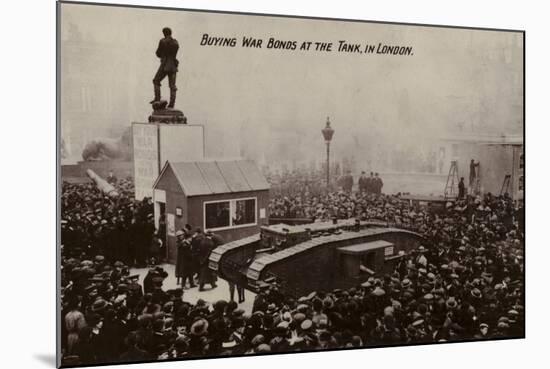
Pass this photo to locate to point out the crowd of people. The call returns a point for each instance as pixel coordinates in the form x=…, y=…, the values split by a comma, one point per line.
x=465, y=282
x=193, y=251
x=118, y=227
x=321, y=204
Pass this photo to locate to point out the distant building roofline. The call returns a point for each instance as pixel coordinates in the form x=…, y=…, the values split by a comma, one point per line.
x=486, y=139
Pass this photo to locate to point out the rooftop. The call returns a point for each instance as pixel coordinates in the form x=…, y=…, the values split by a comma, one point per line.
x=215, y=177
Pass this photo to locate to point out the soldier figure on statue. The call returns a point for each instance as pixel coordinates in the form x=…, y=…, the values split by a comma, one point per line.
x=166, y=51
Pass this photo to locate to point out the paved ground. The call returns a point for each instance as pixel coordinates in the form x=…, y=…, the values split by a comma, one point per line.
x=193, y=294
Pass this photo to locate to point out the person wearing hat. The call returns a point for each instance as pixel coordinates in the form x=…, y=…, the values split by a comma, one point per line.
x=184, y=260
x=180, y=349
x=206, y=276
x=461, y=188
x=74, y=322
x=263, y=349
x=378, y=184
x=279, y=342
x=363, y=182
x=155, y=249
x=483, y=332
x=134, y=352
x=198, y=342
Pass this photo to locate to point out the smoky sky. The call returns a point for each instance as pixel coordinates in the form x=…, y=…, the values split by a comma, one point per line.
x=272, y=104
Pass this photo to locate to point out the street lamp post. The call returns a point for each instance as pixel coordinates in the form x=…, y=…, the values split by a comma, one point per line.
x=327, y=134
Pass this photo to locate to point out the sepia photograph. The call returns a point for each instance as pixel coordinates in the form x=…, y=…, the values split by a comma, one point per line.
x=236, y=184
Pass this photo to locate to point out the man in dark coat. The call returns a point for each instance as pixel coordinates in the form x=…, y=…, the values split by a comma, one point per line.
x=347, y=181
x=134, y=353
x=461, y=188
x=166, y=51
x=370, y=183
x=363, y=180
x=205, y=274
x=185, y=261
x=196, y=241
x=378, y=184
x=111, y=178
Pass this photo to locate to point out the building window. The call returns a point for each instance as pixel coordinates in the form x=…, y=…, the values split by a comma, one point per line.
x=230, y=213
x=217, y=215
x=245, y=212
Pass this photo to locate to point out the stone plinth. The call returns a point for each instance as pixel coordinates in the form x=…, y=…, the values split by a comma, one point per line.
x=154, y=143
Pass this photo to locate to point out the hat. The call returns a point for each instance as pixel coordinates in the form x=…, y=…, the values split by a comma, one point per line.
x=229, y=344
x=220, y=305
x=271, y=309
x=378, y=292
x=282, y=325
x=451, y=303
x=503, y=325
x=199, y=328
x=99, y=305
x=238, y=312
x=328, y=303
x=406, y=283
x=311, y=295
x=299, y=317
x=201, y=303
x=476, y=293
x=258, y=340
x=306, y=324
x=263, y=348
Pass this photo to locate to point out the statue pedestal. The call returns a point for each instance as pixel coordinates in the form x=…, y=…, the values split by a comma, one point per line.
x=162, y=114
x=156, y=142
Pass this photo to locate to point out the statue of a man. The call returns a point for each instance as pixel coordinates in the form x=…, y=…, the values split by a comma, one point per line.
x=166, y=51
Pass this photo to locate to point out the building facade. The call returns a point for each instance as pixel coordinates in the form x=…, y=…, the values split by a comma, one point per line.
x=230, y=198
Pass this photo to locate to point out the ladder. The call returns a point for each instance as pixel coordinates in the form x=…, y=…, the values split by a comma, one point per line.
x=451, y=187
x=505, y=185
